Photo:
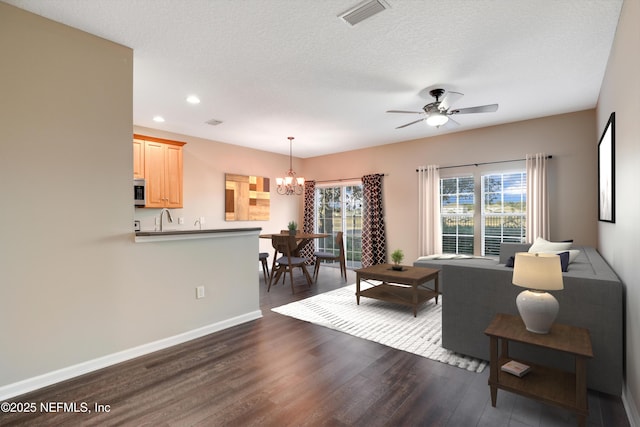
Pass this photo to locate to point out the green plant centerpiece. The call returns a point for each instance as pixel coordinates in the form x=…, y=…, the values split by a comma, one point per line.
x=397, y=256
x=292, y=226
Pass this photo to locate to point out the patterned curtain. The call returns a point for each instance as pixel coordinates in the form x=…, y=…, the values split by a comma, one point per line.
x=429, y=228
x=374, y=243
x=309, y=219
x=537, y=198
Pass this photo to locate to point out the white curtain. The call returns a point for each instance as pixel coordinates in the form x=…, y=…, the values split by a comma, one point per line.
x=537, y=198
x=429, y=235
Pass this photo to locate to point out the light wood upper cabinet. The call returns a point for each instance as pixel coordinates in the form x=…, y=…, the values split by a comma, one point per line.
x=138, y=158
x=162, y=172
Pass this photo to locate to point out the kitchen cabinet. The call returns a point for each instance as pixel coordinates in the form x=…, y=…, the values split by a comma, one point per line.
x=162, y=172
x=138, y=158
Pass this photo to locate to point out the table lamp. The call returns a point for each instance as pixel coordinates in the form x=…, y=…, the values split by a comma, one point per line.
x=538, y=273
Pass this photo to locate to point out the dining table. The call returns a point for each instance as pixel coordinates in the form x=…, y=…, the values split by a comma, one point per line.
x=302, y=239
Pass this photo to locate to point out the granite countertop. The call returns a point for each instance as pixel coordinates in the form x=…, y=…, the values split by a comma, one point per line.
x=154, y=236
x=208, y=230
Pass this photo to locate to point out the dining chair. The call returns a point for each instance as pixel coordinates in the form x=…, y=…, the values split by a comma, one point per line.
x=263, y=257
x=330, y=256
x=286, y=262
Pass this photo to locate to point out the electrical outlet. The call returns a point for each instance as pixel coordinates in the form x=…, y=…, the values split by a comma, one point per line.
x=180, y=220
x=200, y=292
x=202, y=221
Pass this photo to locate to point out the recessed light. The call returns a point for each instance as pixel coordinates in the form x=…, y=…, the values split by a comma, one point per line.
x=193, y=99
x=158, y=119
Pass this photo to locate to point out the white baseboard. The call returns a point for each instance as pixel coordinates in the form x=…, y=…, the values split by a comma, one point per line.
x=31, y=384
x=630, y=407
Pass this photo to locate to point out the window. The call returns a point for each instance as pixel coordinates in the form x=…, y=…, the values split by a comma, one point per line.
x=482, y=217
x=339, y=208
x=503, y=210
x=456, y=210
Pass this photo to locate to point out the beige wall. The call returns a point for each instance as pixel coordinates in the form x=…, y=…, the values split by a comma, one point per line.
x=620, y=242
x=569, y=138
x=74, y=287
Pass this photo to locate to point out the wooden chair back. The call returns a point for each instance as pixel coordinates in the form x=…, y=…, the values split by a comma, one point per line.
x=340, y=241
x=330, y=256
x=285, y=245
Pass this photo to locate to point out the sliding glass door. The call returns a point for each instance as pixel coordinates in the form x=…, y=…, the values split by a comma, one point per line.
x=339, y=208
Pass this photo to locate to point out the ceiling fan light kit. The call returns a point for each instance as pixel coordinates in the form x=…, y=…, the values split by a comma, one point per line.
x=436, y=119
x=438, y=113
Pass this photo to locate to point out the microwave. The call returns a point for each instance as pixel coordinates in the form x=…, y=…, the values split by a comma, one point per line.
x=139, y=192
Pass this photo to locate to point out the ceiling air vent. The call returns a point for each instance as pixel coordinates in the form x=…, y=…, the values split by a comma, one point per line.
x=363, y=11
x=213, y=122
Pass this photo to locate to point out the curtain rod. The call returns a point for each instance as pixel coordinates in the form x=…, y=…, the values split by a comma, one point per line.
x=350, y=179
x=484, y=163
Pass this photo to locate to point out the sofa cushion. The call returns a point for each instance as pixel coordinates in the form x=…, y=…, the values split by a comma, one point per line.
x=508, y=250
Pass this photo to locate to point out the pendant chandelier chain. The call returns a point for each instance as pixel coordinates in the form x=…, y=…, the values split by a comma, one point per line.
x=290, y=184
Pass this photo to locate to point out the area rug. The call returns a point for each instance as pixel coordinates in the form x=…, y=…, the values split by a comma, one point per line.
x=386, y=323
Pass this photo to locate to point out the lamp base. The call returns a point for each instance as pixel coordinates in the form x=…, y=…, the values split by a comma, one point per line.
x=538, y=310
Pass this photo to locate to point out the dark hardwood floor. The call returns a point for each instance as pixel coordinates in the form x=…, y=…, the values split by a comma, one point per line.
x=279, y=371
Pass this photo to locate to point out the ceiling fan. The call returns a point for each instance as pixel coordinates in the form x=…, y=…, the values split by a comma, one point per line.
x=438, y=113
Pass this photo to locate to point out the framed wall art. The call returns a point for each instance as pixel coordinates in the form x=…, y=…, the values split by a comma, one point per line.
x=246, y=198
x=607, y=172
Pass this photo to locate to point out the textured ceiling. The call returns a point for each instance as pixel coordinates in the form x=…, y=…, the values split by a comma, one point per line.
x=269, y=69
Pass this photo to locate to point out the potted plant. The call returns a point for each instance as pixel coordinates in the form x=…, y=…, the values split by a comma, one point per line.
x=397, y=256
x=293, y=226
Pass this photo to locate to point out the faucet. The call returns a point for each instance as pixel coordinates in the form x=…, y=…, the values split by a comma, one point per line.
x=162, y=214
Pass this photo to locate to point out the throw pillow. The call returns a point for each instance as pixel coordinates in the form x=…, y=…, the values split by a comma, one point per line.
x=573, y=253
x=564, y=261
x=542, y=245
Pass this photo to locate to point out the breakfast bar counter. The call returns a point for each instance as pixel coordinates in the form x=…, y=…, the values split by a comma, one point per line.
x=158, y=236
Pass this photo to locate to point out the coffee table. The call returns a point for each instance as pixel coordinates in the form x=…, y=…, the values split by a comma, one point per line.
x=391, y=289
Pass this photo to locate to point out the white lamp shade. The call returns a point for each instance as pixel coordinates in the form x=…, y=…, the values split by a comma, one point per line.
x=279, y=181
x=437, y=119
x=300, y=180
x=542, y=272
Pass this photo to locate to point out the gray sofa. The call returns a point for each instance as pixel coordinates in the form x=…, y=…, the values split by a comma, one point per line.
x=474, y=290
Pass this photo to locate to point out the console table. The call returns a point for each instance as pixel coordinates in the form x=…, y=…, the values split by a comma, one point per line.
x=567, y=390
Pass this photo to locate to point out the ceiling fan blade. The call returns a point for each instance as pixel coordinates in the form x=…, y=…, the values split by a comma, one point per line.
x=449, y=99
x=451, y=123
x=408, y=112
x=409, y=124
x=480, y=109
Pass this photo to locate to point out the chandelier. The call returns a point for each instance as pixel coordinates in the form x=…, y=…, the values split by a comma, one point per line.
x=290, y=184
